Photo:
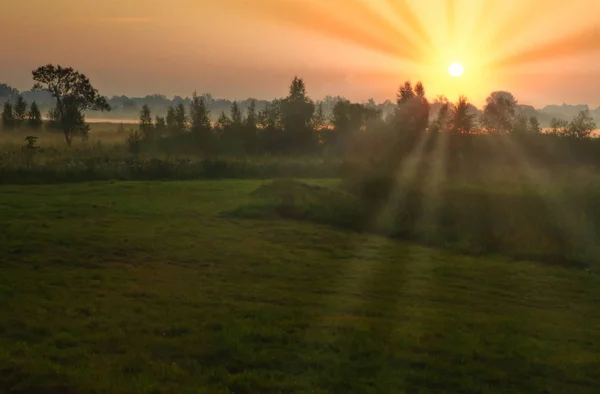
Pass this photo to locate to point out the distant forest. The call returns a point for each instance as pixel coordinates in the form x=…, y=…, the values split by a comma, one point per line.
x=124, y=107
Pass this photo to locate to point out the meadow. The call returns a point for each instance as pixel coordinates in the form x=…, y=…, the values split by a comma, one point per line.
x=160, y=287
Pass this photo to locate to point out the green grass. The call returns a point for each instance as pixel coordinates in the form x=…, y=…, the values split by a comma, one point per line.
x=149, y=288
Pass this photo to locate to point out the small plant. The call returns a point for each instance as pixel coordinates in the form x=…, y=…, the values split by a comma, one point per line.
x=31, y=142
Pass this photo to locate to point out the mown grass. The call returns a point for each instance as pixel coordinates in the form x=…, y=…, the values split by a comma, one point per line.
x=149, y=288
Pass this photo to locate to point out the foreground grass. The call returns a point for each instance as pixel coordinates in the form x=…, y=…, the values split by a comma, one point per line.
x=149, y=288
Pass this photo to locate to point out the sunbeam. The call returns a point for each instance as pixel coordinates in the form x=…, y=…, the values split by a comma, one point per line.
x=405, y=14
x=587, y=40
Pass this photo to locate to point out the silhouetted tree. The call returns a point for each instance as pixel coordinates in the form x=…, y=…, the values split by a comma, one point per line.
x=20, y=112
x=34, y=117
x=250, y=124
x=146, y=125
x=582, y=125
x=222, y=126
x=296, y=115
x=200, y=123
x=160, y=126
x=461, y=120
x=412, y=111
x=181, y=120
x=520, y=124
x=319, y=120
x=236, y=115
x=7, y=91
x=73, y=93
x=499, y=112
x=8, y=117
x=534, y=125
x=442, y=119
x=559, y=127
x=170, y=120
x=271, y=129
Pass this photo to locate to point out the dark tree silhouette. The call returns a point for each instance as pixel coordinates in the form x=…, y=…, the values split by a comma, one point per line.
x=250, y=125
x=581, y=126
x=34, y=117
x=534, y=125
x=442, y=119
x=170, y=120
x=462, y=121
x=146, y=125
x=200, y=123
x=499, y=112
x=223, y=124
x=160, y=126
x=8, y=117
x=20, y=112
x=297, y=110
x=180, y=119
x=7, y=91
x=73, y=93
x=236, y=115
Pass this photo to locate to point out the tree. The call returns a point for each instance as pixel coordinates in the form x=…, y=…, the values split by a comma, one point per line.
x=461, y=120
x=559, y=127
x=160, y=126
x=181, y=120
x=442, y=119
x=250, y=132
x=411, y=114
x=520, y=124
x=7, y=91
x=223, y=124
x=297, y=110
x=200, y=123
x=405, y=93
x=34, y=117
x=74, y=94
x=236, y=115
x=269, y=120
x=499, y=112
x=534, y=125
x=146, y=126
x=200, y=116
x=20, y=112
x=8, y=119
x=251, y=116
x=582, y=125
x=170, y=120
x=319, y=121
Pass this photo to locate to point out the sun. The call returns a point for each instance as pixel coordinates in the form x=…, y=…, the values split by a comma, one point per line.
x=456, y=69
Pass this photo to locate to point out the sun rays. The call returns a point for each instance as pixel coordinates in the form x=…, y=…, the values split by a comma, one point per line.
x=487, y=37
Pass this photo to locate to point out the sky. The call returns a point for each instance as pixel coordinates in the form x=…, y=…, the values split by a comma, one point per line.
x=543, y=51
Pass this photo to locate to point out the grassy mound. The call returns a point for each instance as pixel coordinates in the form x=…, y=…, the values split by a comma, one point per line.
x=518, y=222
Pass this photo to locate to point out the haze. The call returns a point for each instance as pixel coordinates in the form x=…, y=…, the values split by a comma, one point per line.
x=542, y=51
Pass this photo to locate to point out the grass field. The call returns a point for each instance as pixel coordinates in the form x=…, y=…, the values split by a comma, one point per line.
x=149, y=288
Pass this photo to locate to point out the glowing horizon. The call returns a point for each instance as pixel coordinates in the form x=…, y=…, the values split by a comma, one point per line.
x=355, y=48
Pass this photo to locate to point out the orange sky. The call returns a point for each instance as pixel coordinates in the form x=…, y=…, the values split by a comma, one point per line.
x=542, y=51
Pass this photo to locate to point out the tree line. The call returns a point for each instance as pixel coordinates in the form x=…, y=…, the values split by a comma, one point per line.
x=294, y=124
